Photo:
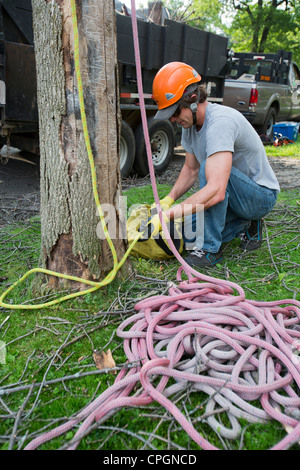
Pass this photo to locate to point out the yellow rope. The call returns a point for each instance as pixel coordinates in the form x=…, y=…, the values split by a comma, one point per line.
x=117, y=265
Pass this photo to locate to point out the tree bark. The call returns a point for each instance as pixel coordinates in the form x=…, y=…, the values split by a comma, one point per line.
x=70, y=241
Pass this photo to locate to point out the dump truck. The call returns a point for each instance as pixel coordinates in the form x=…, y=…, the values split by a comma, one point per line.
x=205, y=51
x=264, y=88
x=18, y=92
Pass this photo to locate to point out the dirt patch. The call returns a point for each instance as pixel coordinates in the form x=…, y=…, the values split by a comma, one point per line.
x=19, y=186
x=20, y=181
x=287, y=171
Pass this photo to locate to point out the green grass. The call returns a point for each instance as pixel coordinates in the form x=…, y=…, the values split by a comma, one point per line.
x=290, y=150
x=58, y=342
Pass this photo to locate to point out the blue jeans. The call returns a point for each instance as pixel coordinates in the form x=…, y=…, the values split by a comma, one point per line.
x=244, y=201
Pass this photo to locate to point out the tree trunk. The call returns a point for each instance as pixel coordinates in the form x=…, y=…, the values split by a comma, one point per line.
x=70, y=241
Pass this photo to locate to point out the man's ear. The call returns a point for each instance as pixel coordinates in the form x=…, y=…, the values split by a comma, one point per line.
x=193, y=98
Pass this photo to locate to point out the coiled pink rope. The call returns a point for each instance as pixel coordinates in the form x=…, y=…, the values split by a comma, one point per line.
x=208, y=337
x=201, y=336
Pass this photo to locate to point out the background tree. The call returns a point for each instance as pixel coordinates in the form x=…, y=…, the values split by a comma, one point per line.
x=264, y=26
x=69, y=219
x=203, y=14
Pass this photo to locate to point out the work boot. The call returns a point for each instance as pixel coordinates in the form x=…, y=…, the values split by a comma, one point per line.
x=252, y=238
x=203, y=259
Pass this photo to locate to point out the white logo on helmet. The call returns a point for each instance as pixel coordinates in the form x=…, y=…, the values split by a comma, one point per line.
x=169, y=96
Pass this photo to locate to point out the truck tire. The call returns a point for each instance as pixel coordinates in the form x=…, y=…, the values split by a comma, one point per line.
x=162, y=138
x=267, y=127
x=127, y=149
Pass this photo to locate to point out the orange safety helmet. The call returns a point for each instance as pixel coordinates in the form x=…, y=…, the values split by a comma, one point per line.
x=169, y=86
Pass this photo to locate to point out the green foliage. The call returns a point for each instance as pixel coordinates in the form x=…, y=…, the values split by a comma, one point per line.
x=264, y=29
x=290, y=150
x=201, y=14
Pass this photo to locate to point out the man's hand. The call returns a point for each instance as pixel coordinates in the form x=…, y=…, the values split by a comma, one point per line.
x=152, y=227
x=165, y=204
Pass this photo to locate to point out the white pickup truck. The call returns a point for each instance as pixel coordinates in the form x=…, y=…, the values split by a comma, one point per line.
x=264, y=88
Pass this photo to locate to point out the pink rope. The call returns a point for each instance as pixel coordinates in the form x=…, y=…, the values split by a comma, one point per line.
x=207, y=336
x=233, y=353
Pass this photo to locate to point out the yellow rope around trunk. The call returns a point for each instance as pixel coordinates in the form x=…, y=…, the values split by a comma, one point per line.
x=117, y=265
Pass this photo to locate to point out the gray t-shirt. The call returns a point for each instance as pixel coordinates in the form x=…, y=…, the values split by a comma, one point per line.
x=226, y=129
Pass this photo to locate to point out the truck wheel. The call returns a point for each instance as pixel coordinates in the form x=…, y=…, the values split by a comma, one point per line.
x=267, y=127
x=162, y=138
x=127, y=149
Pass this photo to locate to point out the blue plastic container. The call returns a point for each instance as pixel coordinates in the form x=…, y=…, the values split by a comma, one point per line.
x=287, y=129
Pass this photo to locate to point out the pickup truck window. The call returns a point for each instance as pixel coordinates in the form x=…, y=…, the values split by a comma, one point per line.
x=295, y=77
x=249, y=67
x=273, y=68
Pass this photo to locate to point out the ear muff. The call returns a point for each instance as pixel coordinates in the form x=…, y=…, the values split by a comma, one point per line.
x=193, y=108
x=191, y=102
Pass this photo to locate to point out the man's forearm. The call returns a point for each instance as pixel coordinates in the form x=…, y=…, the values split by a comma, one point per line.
x=184, y=183
x=217, y=172
x=201, y=200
